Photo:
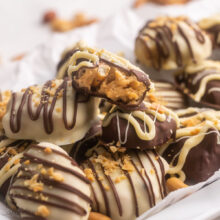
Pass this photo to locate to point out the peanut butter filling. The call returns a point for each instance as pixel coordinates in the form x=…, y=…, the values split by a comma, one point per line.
x=112, y=82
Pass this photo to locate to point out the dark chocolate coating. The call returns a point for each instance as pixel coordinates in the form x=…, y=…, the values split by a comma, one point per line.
x=214, y=31
x=91, y=138
x=163, y=133
x=211, y=100
x=202, y=160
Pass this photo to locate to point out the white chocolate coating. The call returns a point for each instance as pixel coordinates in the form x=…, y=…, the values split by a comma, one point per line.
x=93, y=55
x=124, y=185
x=64, y=116
x=50, y=185
x=168, y=43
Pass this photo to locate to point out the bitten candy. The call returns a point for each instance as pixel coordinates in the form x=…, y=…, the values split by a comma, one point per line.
x=195, y=154
x=145, y=129
x=103, y=74
x=52, y=112
x=50, y=185
x=125, y=184
x=171, y=42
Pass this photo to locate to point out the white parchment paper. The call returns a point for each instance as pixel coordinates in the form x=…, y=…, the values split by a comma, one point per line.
x=117, y=33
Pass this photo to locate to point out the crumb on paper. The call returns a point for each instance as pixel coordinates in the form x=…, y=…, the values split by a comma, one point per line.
x=18, y=57
x=49, y=16
x=62, y=25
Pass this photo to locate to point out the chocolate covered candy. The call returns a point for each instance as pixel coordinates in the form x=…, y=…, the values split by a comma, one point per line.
x=145, y=129
x=104, y=74
x=125, y=184
x=212, y=26
x=50, y=185
x=11, y=155
x=195, y=154
x=201, y=83
x=52, y=112
x=171, y=42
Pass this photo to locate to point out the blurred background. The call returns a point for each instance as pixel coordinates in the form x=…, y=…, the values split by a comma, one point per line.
x=22, y=26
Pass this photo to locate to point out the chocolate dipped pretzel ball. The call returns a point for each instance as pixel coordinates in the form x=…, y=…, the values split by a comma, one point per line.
x=140, y=129
x=167, y=94
x=101, y=73
x=201, y=83
x=11, y=154
x=125, y=184
x=212, y=26
x=50, y=185
x=52, y=112
x=195, y=154
x=171, y=42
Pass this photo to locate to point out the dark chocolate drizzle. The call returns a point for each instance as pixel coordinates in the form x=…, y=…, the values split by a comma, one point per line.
x=27, y=174
x=16, y=117
x=164, y=34
x=147, y=184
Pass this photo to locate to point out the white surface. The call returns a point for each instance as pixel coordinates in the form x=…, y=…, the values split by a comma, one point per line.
x=117, y=34
x=21, y=20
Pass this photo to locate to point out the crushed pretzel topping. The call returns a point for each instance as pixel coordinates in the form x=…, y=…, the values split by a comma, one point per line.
x=106, y=187
x=113, y=149
x=89, y=174
x=108, y=164
x=127, y=165
x=195, y=131
x=152, y=171
x=48, y=150
x=58, y=110
x=4, y=98
x=16, y=161
x=119, y=179
x=2, y=149
x=7, y=167
x=55, y=176
x=43, y=198
x=33, y=184
x=12, y=151
x=27, y=162
x=43, y=211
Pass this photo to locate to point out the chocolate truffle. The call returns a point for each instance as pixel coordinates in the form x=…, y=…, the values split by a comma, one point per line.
x=140, y=129
x=171, y=42
x=212, y=26
x=103, y=74
x=195, y=154
x=201, y=83
x=11, y=154
x=50, y=185
x=167, y=94
x=125, y=184
x=52, y=112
